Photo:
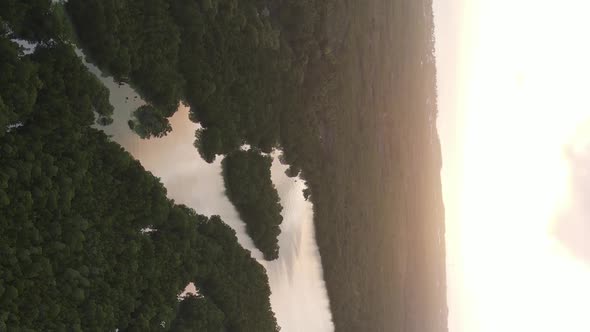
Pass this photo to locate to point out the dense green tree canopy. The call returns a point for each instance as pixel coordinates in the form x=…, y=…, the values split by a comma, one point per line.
x=264, y=72
x=234, y=281
x=133, y=40
x=253, y=72
x=250, y=189
x=32, y=19
x=72, y=246
x=18, y=85
x=238, y=64
x=88, y=239
x=149, y=122
x=197, y=313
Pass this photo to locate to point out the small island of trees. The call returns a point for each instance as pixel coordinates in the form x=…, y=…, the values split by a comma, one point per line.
x=249, y=187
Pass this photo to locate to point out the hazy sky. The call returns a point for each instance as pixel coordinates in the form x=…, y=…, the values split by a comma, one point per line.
x=514, y=118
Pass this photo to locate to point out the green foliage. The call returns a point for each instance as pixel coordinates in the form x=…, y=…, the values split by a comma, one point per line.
x=73, y=205
x=253, y=72
x=69, y=89
x=149, y=122
x=88, y=239
x=249, y=187
x=73, y=245
x=32, y=19
x=222, y=57
x=18, y=85
x=234, y=281
x=197, y=313
x=231, y=76
x=133, y=40
x=208, y=143
x=73, y=254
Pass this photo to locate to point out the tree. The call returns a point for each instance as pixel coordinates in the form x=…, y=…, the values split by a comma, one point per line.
x=197, y=313
x=148, y=122
x=248, y=186
x=74, y=206
x=208, y=143
x=19, y=84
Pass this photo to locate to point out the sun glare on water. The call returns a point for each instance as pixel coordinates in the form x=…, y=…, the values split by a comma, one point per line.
x=524, y=96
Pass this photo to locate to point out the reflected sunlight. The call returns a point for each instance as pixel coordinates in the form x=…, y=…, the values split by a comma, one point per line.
x=523, y=94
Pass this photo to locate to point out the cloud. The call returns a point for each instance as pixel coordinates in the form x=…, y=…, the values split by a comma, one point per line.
x=572, y=226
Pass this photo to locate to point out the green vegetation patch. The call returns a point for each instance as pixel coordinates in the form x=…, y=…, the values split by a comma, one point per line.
x=249, y=187
x=242, y=66
x=88, y=239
